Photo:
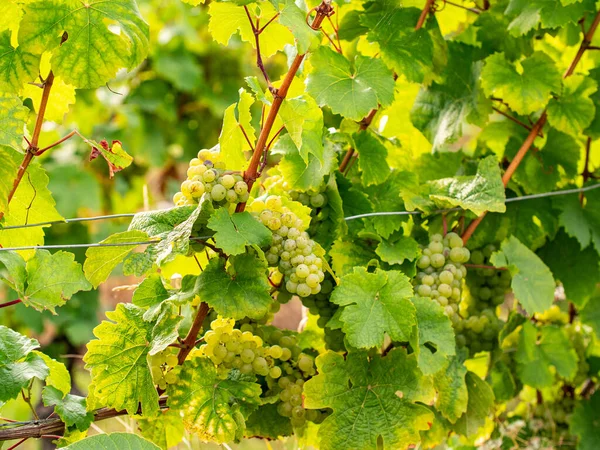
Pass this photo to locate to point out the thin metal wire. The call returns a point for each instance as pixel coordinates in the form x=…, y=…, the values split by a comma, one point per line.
x=51, y=247
x=359, y=216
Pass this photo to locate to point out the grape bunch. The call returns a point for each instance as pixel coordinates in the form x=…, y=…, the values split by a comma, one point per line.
x=161, y=368
x=292, y=249
x=442, y=272
x=207, y=177
x=485, y=289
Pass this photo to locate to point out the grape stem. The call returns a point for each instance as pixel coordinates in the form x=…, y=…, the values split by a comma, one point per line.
x=350, y=156
x=483, y=266
x=537, y=127
x=14, y=302
x=251, y=174
x=586, y=174
x=426, y=10
x=190, y=340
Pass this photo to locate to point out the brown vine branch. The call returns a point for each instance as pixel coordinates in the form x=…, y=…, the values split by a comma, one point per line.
x=14, y=302
x=32, y=147
x=55, y=426
x=190, y=340
x=537, y=128
x=426, y=10
x=483, y=266
x=251, y=174
x=514, y=119
x=586, y=174
x=257, y=31
x=350, y=154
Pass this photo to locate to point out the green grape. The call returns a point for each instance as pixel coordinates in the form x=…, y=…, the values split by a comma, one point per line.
x=170, y=377
x=285, y=409
x=275, y=372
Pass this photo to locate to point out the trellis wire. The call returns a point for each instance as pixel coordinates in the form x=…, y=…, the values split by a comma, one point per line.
x=359, y=216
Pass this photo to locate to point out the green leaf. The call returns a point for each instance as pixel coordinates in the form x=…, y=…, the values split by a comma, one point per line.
x=351, y=92
x=299, y=173
x=442, y=110
x=375, y=304
x=239, y=291
x=93, y=53
x=503, y=382
x=573, y=110
x=481, y=192
x=590, y=313
x=155, y=223
x=541, y=348
x=372, y=162
x=581, y=222
x=453, y=395
x=227, y=18
x=232, y=142
x=8, y=172
x=166, y=430
x=17, y=66
x=32, y=203
x=292, y=17
x=267, y=423
x=347, y=254
x=384, y=198
x=114, y=155
x=101, y=261
x=47, y=280
x=18, y=365
x=585, y=423
x=150, y=292
x=234, y=232
x=406, y=51
x=481, y=401
x=398, y=251
x=527, y=91
x=214, y=409
x=578, y=270
x=70, y=408
x=303, y=120
x=121, y=376
x=532, y=281
x=372, y=399
x=14, y=119
x=58, y=375
x=527, y=14
x=113, y=441
x=433, y=337
x=260, y=95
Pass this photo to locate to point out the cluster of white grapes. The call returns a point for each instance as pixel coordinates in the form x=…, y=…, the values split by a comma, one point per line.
x=442, y=272
x=314, y=198
x=486, y=288
x=161, y=368
x=292, y=249
x=207, y=177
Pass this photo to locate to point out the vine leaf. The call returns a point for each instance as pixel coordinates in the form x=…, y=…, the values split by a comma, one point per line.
x=590, y=313
x=116, y=158
x=17, y=66
x=232, y=142
x=166, y=430
x=585, y=423
x=479, y=405
x=93, y=52
x=350, y=91
x=573, y=110
x=234, y=232
x=47, y=280
x=442, y=110
x=8, y=172
x=32, y=203
x=398, y=251
x=18, y=363
x=14, y=119
x=372, y=163
x=525, y=92
x=536, y=352
x=433, y=337
x=453, y=395
x=213, y=408
x=70, y=408
x=112, y=441
x=481, y=192
x=532, y=281
x=58, y=375
x=227, y=18
x=406, y=51
x=303, y=120
x=581, y=222
x=121, y=377
x=155, y=223
x=267, y=423
x=237, y=291
x=292, y=17
x=375, y=304
x=101, y=261
x=379, y=391
x=527, y=14
x=150, y=292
